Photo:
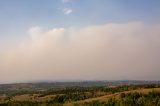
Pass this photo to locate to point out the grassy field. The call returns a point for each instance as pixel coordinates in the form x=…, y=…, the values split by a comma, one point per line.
x=75, y=96
x=106, y=97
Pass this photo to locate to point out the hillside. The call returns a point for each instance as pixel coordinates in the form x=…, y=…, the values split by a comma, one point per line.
x=79, y=95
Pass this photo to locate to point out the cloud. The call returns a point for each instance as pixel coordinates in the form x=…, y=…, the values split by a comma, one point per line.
x=110, y=51
x=67, y=11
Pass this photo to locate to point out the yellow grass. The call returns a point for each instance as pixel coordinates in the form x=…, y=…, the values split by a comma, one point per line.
x=35, y=97
x=106, y=97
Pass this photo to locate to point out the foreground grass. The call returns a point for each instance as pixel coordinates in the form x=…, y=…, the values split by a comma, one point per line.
x=81, y=96
x=108, y=97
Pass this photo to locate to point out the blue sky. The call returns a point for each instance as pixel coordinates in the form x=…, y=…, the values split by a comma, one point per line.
x=18, y=15
x=79, y=39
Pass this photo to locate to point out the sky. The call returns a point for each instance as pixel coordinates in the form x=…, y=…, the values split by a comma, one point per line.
x=56, y=40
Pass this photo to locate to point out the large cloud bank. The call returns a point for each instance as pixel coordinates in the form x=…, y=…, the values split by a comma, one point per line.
x=110, y=51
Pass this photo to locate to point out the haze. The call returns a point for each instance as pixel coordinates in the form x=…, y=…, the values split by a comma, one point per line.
x=79, y=40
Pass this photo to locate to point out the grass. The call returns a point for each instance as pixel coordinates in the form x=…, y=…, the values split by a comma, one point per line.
x=101, y=97
x=106, y=97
